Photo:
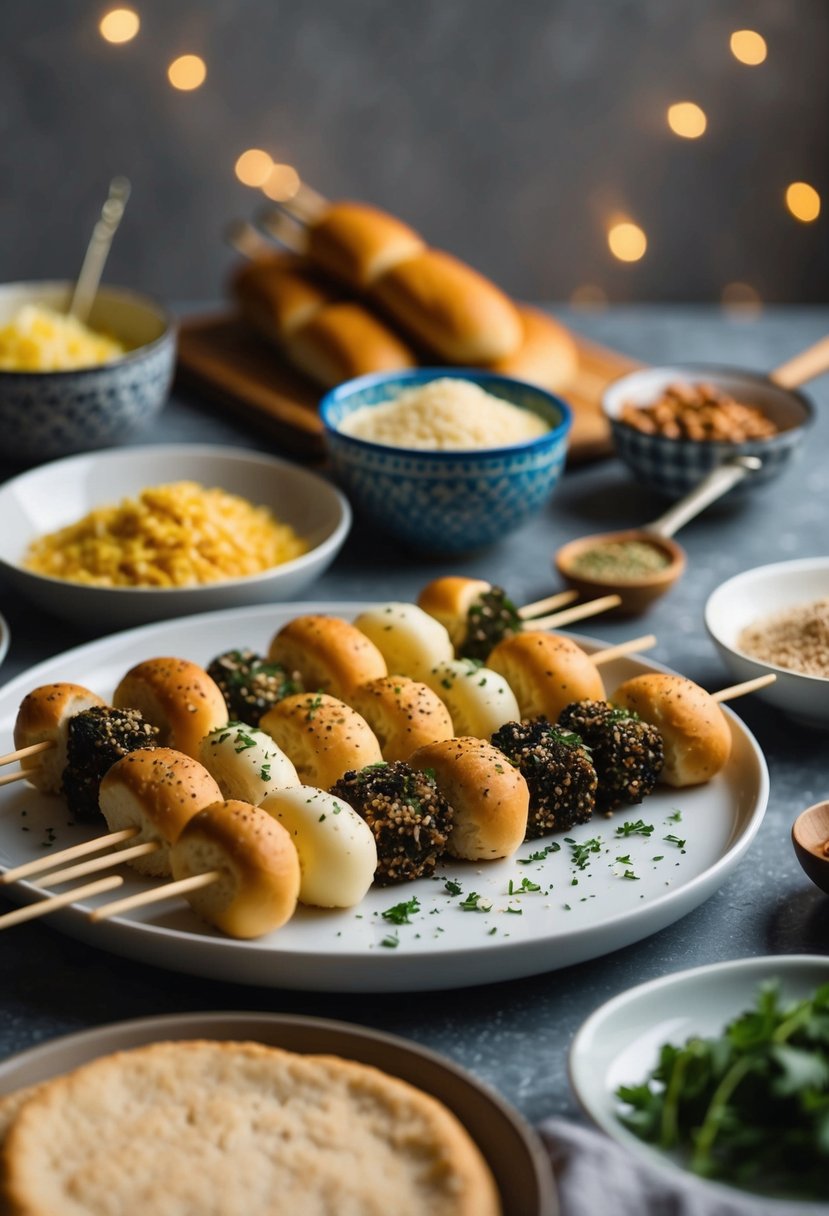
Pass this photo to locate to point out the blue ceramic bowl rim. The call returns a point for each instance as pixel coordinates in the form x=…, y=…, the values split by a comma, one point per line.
x=131, y=356
x=782, y=439
x=422, y=375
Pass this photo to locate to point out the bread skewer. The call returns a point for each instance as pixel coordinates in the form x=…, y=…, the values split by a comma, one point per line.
x=183, y=886
x=548, y=604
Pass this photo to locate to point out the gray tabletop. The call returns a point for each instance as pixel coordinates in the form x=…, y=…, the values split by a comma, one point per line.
x=515, y=1035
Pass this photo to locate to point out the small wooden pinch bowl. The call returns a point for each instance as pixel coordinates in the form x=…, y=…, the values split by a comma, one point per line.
x=636, y=594
x=810, y=837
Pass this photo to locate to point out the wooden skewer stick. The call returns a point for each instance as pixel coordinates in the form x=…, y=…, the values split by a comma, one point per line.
x=740, y=690
x=577, y=613
x=22, y=752
x=634, y=646
x=99, y=863
x=194, y=883
x=20, y=775
x=284, y=229
x=76, y=850
x=54, y=902
x=548, y=604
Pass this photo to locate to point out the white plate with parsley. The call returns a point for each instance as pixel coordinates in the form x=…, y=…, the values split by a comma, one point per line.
x=720, y=1073
x=558, y=901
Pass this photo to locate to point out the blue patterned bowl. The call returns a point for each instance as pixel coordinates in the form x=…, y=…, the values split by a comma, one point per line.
x=446, y=501
x=48, y=414
x=674, y=466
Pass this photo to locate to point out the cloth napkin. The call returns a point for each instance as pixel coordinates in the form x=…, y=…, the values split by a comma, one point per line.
x=596, y=1177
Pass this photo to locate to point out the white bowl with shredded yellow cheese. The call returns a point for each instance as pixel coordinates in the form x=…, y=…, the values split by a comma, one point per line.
x=122, y=537
x=67, y=386
x=776, y=619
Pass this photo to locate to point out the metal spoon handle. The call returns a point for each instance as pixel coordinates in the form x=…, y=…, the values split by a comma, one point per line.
x=718, y=482
x=98, y=248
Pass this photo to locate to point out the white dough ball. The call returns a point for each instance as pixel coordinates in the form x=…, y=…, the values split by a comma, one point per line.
x=245, y=762
x=411, y=641
x=337, y=853
x=479, y=700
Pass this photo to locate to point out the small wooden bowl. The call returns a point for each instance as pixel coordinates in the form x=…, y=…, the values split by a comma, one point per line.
x=636, y=594
x=810, y=837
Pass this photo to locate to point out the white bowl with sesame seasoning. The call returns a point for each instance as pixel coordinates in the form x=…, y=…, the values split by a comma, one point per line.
x=776, y=619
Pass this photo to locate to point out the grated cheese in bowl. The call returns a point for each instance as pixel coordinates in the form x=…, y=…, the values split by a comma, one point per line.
x=40, y=339
x=175, y=535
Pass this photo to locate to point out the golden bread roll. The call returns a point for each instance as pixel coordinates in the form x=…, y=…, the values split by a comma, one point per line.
x=357, y=244
x=330, y=654
x=695, y=732
x=324, y=737
x=449, y=599
x=546, y=671
x=258, y=887
x=403, y=714
x=43, y=717
x=456, y=313
x=337, y=853
x=156, y=791
x=177, y=697
x=547, y=356
x=489, y=796
x=280, y=294
x=240, y=1129
x=346, y=340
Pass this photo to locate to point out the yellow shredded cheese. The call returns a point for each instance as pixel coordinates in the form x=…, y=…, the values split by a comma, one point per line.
x=38, y=339
x=176, y=535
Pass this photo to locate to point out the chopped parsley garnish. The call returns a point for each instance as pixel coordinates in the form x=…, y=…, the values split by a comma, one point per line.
x=580, y=853
x=454, y=888
x=475, y=903
x=639, y=828
x=400, y=913
x=554, y=847
x=391, y=942
x=524, y=887
x=265, y=772
x=242, y=742
x=680, y=844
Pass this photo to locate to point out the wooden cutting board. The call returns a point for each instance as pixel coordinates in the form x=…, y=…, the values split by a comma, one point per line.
x=243, y=377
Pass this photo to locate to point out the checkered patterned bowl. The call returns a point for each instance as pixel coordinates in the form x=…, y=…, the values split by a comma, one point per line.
x=45, y=415
x=445, y=501
x=675, y=466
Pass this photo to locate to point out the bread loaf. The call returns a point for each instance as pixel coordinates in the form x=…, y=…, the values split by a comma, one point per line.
x=330, y=654
x=323, y=737
x=356, y=244
x=43, y=717
x=259, y=875
x=489, y=796
x=547, y=355
x=456, y=313
x=546, y=671
x=695, y=731
x=176, y=696
x=324, y=335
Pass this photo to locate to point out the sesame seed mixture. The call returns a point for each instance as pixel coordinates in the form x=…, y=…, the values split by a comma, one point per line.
x=796, y=638
x=96, y=738
x=491, y=618
x=408, y=815
x=250, y=684
x=558, y=770
x=627, y=753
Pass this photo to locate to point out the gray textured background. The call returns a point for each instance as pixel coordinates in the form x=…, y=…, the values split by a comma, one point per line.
x=505, y=131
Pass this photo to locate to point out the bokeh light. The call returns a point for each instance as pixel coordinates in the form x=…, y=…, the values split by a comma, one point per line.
x=687, y=119
x=627, y=241
x=119, y=25
x=589, y=295
x=253, y=168
x=749, y=47
x=282, y=183
x=187, y=72
x=741, y=298
x=803, y=201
